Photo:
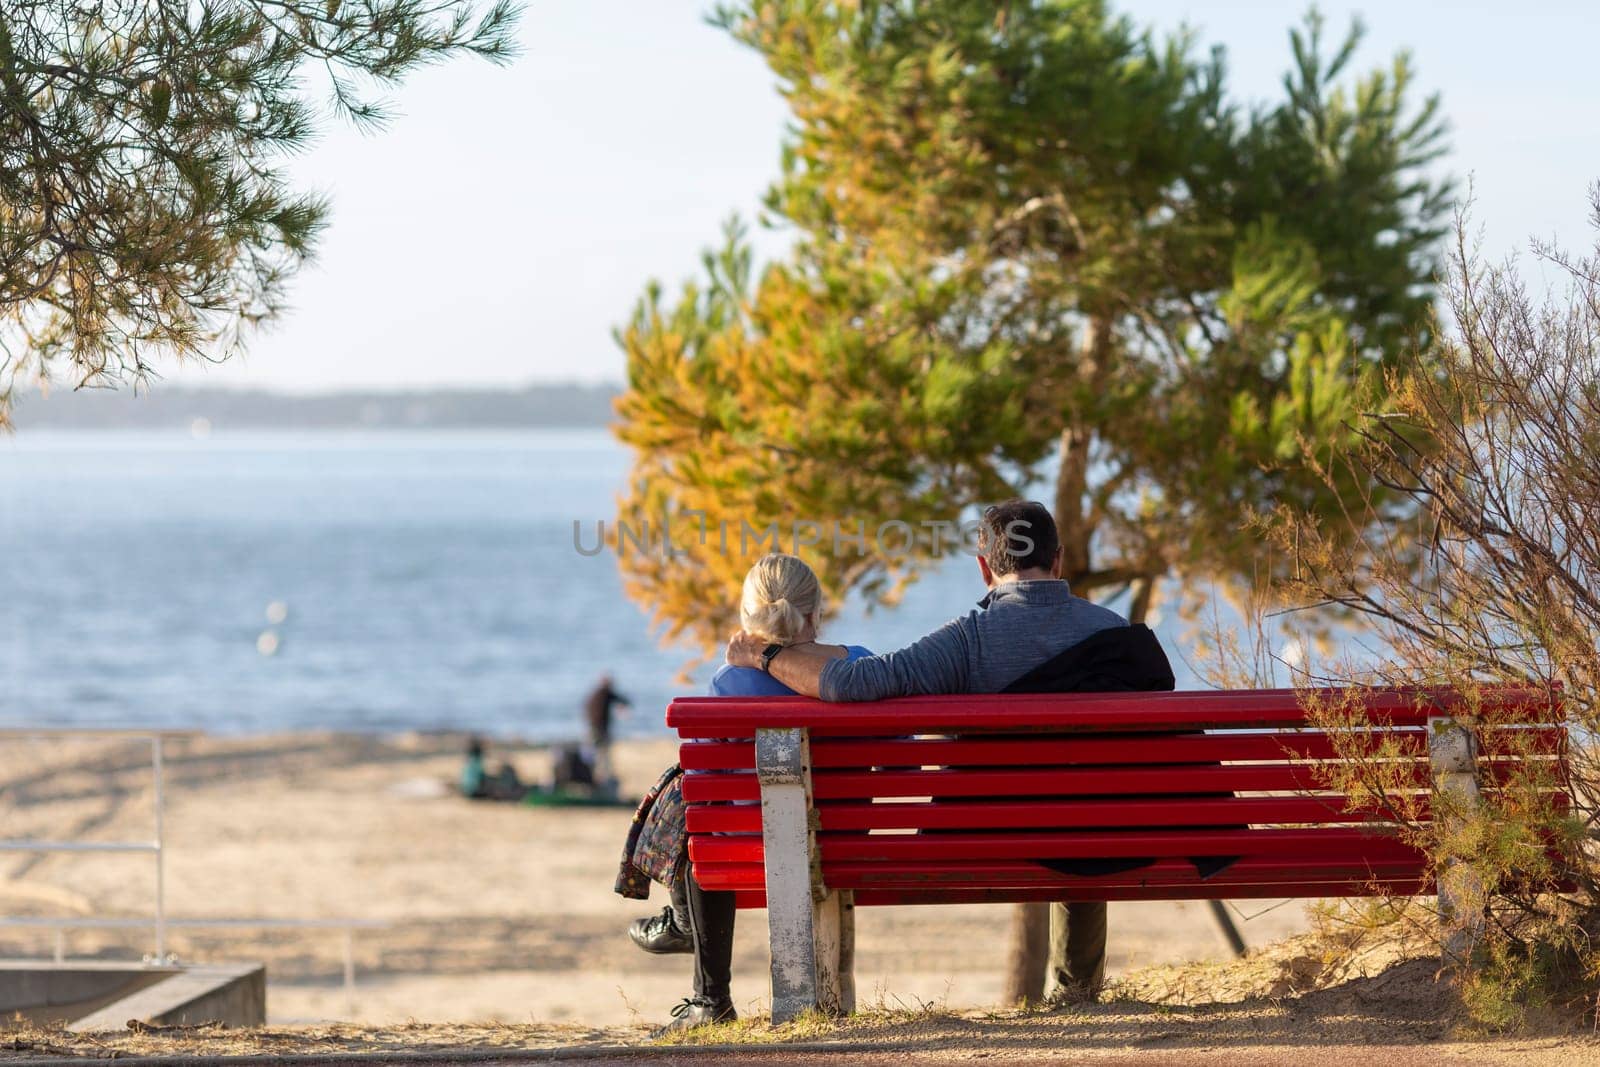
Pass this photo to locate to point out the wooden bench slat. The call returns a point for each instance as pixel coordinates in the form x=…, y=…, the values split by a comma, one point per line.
x=1200, y=891
x=1053, y=814
x=1166, y=872
x=1121, y=712
x=700, y=787
x=1321, y=843
x=830, y=753
x=705, y=786
x=947, y=895
x=968, y=750
x=1250, y=870
x=1019, y=875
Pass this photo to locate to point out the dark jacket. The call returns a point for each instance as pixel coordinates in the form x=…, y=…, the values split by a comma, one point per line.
x=1123, y=659
x=597, y=712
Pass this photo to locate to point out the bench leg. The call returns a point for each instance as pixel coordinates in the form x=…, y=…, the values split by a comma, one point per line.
x=811, y=930
x=847, y=952
x=834, y=941
x=1453, y=758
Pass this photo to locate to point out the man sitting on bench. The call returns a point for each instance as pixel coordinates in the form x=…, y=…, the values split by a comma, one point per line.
x=1028, y=635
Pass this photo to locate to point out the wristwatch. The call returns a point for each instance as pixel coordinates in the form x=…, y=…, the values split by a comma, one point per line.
x=767, y=655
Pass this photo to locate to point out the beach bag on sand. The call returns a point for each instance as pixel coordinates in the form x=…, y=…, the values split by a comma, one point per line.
x=655, y=838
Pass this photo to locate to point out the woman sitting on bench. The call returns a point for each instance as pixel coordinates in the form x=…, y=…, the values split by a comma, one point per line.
x=781, y=603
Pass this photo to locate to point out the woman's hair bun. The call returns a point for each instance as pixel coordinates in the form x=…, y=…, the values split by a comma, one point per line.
x=780, y=595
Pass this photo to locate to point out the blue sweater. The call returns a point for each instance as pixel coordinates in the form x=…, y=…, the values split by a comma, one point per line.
x=731, y=681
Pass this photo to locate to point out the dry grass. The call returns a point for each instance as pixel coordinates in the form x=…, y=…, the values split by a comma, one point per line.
x=1334, y=989
x=1347, y=984
x=210, y=1040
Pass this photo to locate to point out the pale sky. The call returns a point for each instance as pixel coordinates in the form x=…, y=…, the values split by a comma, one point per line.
x=509, y=217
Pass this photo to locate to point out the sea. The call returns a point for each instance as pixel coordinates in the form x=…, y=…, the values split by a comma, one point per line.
x=360, y=581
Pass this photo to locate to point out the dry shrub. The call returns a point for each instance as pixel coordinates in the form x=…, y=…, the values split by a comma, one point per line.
x=1492, y=579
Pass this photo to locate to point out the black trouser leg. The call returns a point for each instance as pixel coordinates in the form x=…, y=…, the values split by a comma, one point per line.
x=680, y=902
x=1077, y=948
x=711, y=917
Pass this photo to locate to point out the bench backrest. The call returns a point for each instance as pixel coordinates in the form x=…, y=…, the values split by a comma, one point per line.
x=1084, y=796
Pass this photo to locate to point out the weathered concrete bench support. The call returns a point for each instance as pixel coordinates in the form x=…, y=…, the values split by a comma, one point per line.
x=811, y=929
x=1453, y=756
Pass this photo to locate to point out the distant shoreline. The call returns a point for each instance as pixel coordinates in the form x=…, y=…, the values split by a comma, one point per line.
x=310, y=436
x=551, y=406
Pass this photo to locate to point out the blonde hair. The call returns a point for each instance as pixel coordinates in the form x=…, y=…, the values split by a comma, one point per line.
x=780, y=594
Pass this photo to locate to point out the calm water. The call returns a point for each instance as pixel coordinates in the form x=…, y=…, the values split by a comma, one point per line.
x=430, y=582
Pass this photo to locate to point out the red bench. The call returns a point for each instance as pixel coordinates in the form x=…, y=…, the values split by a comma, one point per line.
x=812, y=809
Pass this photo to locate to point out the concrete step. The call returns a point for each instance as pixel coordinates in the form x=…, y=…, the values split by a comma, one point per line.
x=234, y=994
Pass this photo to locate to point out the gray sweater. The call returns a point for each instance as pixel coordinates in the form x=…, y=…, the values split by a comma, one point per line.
x=1017, y=627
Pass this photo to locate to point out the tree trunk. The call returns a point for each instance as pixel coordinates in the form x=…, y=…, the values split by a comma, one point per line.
x=1143, y=593
x=1072, y=526
x=1075, y=525
x=1030, y=951
x=1030, y=924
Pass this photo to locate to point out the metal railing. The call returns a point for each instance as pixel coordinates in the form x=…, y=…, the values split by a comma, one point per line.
x=155, y=846
x=160, y=922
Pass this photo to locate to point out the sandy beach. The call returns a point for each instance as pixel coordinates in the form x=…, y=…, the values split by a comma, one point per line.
x=494, y=912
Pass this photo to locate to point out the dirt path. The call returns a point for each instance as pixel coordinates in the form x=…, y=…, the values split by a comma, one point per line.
x=1554, y=1054
x=1362, y=1022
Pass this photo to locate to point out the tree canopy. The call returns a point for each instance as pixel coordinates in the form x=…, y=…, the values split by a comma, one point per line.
x=143, y=205
x=1022, y=231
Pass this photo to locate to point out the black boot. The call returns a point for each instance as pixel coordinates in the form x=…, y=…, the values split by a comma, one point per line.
x=660, y=934
x=698, y=1011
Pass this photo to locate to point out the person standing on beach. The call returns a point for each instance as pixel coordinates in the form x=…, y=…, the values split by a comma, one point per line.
x=597, y=711
x=1029, y=635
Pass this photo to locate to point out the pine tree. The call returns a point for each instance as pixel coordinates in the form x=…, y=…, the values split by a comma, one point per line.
x=143, y=206
x=1027, y=229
